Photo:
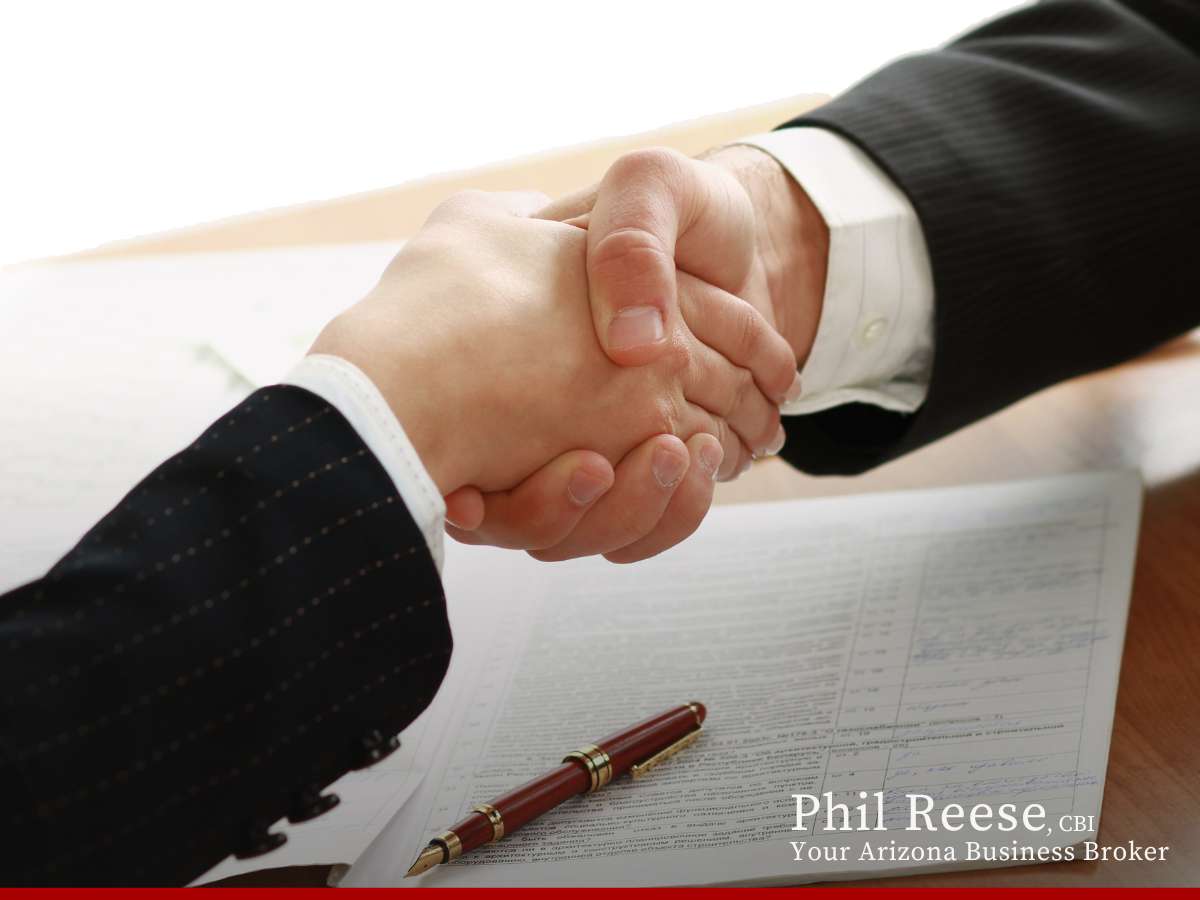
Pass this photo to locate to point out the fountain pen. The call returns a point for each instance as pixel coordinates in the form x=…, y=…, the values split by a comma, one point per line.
x=636, y=750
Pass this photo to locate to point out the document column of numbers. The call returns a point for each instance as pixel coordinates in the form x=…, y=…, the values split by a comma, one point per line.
x=860, y=744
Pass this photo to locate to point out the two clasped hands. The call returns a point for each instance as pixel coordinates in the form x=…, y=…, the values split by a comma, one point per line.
x=576, y=375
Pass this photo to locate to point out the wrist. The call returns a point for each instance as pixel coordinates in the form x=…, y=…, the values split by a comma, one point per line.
x=415, y=382
x=792, y=241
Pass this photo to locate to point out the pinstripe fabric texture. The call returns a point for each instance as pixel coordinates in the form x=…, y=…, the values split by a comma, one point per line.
x=235, y=635
x=1053, y=158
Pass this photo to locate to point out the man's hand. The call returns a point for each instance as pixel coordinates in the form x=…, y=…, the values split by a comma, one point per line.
x=734, y=218
x=480, y=337
x=662, y=490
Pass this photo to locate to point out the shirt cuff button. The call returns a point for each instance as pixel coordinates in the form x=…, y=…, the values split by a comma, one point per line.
x=872, y=331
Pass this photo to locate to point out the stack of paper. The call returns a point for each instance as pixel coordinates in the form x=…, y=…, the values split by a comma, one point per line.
x=959, y=644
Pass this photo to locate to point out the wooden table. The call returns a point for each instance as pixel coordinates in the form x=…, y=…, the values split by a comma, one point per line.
x=1143, y=415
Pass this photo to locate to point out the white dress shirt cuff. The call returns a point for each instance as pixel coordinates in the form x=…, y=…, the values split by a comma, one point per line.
x=874, y=343
x=344, y=387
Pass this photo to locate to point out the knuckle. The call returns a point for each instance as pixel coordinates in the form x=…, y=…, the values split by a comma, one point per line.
x=723, y=433
x=457, y=204
x=537, y=198
x=782, y=381
x=744, y=389
x=679, y=361
x=781, y=370
x=629, y=253
x=778, y=369
x=665, y=415
x=748, y=329
x=468, y=197
x=769, y=429
x=650, y=162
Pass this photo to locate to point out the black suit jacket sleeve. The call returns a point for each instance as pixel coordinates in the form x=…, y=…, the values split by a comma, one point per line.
x=258, y=616
x=1053, y=159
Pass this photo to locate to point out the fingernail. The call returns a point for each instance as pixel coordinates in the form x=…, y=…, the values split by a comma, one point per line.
x=668, y=467
x=793, y=393
x=635, y=326
x=776, y=443
x=584, y=487
x=711, y=457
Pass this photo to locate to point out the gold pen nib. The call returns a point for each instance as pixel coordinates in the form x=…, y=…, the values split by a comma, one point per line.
x=431, y=856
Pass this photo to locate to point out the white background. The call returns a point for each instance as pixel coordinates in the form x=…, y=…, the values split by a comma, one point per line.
x=124, y=118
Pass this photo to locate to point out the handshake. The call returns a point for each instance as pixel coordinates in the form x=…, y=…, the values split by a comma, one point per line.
x=576, y=375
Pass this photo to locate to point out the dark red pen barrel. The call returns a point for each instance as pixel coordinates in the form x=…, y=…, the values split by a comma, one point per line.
x=474, y=831
x=643, y=740
x=523, y=804
x=541, y=795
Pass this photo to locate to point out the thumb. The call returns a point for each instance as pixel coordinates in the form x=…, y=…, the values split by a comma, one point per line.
x=655, y=211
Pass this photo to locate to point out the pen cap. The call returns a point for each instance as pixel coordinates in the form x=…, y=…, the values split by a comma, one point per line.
x=639, y=742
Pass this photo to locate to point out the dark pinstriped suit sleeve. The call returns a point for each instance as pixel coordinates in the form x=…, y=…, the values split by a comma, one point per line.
x=250, y=622
x=1053, y=159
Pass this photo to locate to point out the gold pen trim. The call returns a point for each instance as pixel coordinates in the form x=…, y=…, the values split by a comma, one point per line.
x=596, y=761
x=588, y=765
x=603, y=764
x=493, y=816
x=639, y=770
x=450, y=842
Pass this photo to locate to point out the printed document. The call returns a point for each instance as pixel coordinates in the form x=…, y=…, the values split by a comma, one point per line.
x=962, y=644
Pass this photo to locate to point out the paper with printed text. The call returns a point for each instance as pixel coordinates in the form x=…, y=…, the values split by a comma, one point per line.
x=959, y=643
